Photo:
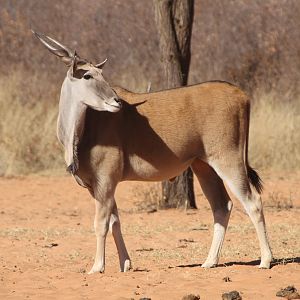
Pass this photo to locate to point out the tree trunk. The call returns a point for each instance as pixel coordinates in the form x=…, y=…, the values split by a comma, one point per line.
x=174, y=19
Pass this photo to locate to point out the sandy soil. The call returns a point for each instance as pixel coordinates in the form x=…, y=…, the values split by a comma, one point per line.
x=47, y=244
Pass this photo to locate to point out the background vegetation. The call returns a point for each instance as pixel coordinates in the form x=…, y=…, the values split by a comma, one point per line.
x=254, y=44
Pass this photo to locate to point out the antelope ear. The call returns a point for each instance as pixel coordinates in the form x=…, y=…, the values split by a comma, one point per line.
x=64, y=53
x=101, y=65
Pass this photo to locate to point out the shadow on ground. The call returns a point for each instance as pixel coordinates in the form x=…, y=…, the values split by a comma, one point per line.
x=275, y=262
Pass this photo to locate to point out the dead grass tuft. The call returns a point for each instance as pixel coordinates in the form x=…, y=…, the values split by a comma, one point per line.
x=148, y=197
x=279, y=201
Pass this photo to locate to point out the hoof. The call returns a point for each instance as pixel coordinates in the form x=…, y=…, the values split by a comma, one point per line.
x=127, y=266
x=96, y=269
x=265, y=265
x=208, y=265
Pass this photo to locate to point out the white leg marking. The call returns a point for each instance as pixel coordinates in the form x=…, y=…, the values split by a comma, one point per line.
x=221, y=205
x=251, y=200
x=115, y=227
x=101, y=224
x=221, y=219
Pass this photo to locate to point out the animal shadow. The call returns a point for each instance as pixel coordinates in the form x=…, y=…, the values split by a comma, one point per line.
x=275, y=262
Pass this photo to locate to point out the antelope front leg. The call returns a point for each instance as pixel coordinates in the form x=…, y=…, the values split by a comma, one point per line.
x=115, y=227
x=101, y=225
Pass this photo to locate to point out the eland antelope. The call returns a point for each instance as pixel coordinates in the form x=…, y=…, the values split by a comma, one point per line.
x=112, y=135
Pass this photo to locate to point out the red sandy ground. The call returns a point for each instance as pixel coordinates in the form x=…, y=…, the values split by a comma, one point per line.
x=38, y=211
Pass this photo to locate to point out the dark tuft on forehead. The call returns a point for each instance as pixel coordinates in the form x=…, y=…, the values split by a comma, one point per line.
x=79, y=73
x=82, y=66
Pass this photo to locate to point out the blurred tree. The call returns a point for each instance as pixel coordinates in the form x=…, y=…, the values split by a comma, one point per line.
x=174, y=20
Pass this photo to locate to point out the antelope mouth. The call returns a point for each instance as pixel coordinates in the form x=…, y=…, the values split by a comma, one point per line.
x=114, y=107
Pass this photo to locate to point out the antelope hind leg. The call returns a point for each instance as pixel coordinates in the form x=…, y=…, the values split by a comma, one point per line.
x=221, y=205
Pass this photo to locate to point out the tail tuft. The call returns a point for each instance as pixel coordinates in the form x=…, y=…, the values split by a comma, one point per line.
x=255, y=180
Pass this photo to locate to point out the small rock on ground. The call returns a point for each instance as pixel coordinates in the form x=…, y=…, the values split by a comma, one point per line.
x=51, y=245
x=233, y=295
x=290, y=292
x=191, y=297
x=227, y=279
x=293, y=296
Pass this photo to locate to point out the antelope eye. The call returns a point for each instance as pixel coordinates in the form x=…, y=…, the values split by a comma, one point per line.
x=87, y=76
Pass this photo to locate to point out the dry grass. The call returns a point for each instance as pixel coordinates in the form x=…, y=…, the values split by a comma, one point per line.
x=148, y=197
x=27, y=128
x=279, y=201
x=275, y=133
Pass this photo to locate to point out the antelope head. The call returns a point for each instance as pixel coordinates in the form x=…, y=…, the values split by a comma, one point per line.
x=83, y=87
x=84, y=80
